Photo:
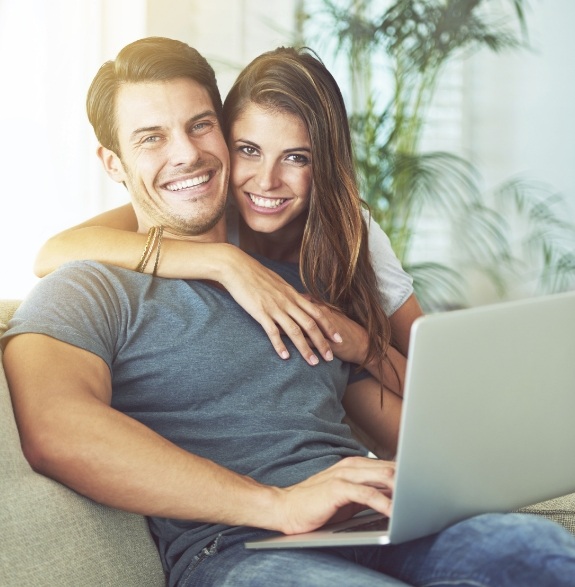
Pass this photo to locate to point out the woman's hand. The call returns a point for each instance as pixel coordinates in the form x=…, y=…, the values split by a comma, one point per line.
x=279, y=308
x=389, y=369
x=353, y=346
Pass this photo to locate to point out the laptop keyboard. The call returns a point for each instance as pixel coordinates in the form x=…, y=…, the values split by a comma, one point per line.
x=381, y=524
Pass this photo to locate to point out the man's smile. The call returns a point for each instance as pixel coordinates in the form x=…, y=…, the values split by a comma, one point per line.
x=184, y=184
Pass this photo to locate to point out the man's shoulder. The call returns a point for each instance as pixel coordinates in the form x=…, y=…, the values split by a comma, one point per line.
x=286, y=270
x=82, y=282
x=87, y=271
x=88, y=266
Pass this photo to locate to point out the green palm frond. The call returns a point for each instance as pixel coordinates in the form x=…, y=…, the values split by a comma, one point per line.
x=436, y=285
x=401, y=183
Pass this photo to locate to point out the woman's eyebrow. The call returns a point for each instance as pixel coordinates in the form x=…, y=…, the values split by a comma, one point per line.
x=288, y=150
x=294, y=149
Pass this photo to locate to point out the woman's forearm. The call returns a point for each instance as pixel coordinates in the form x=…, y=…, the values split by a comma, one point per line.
x=390, y=370
x=177, y=259
x=263, y=294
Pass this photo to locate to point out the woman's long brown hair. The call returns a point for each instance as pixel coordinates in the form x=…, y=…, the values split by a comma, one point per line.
x=335, y=264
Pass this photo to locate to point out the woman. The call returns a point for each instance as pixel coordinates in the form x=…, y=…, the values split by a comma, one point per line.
x=293, y=184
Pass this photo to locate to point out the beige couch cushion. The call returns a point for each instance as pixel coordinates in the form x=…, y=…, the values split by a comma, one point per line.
x=561, y=510
x=53, y=537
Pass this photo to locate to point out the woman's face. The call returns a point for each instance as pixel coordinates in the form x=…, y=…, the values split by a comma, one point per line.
x=271, y=174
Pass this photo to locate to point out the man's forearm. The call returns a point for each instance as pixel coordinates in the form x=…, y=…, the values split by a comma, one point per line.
x=73, y=435
x=61, y=396
x=117, y=461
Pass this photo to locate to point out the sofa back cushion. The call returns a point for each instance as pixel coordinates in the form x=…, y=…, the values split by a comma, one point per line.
x=54, y=537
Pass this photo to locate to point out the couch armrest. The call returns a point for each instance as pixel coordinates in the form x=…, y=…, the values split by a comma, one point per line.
x=54, y=537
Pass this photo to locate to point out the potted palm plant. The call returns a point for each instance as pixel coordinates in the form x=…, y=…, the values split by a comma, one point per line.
x=400, y=182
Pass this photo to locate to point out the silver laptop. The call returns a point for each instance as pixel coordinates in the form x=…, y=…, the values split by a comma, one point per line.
x=488, y=422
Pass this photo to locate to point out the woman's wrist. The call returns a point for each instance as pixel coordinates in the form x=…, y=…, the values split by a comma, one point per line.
x=225, y=259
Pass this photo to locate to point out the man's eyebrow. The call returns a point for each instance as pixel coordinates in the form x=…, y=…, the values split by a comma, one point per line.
x=204, y=114
x=192, y=120
x=143, y=130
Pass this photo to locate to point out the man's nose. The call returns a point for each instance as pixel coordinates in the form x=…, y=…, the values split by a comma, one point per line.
x=183, y=150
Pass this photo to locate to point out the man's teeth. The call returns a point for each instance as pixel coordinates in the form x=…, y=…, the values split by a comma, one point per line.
x=266, y=202
x=188, y=183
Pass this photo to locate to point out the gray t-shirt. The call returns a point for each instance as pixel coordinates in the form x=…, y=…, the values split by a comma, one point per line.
x=191, y=364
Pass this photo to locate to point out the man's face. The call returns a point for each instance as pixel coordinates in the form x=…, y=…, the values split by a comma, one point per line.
x=174, y=159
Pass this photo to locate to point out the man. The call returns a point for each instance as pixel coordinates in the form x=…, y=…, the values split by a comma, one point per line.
x=156, y=396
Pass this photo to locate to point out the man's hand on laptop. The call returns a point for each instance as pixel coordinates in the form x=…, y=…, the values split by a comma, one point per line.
x=338, y=493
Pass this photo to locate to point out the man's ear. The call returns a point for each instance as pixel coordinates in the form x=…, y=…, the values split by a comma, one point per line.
x=112, y=164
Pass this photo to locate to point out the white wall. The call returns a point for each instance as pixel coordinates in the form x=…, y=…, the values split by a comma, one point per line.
x=49, y=52
x=229, y=33
x=519, y=114
x=521, y=104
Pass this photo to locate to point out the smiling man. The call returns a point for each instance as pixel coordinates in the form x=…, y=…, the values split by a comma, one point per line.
x=168, y=150
x=163, y=397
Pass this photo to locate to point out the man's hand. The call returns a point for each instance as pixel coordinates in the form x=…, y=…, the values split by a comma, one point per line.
x=336, y=494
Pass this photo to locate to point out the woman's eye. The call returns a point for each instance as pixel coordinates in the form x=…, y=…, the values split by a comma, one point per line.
x=299, y=159
x=151, y=139
x=247, y=150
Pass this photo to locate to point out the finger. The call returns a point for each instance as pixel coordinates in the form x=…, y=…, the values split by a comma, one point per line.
x=296, y=335
x=321, y=319
x=312, y=332
x=274, y=334
x=277, y=320
x=346, y=492
x=374, y=499
x=366, y=471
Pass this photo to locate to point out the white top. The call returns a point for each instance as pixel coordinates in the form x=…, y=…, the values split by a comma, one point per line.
x=394, y=284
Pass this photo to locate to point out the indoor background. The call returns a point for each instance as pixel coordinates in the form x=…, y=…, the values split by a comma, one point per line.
x=510, y=114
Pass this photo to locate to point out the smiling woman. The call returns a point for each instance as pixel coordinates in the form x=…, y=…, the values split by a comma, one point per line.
x=271, y=178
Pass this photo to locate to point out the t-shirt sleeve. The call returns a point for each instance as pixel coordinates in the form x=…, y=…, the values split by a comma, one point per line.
x=394, y=284
x=356, y=374
x=72, y=305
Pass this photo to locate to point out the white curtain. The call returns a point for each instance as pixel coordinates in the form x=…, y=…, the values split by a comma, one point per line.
x=49, y=52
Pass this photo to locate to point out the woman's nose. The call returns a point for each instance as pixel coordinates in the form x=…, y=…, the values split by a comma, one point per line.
x=267, y=177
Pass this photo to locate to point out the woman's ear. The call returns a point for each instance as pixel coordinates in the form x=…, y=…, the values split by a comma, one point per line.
x=112, y=164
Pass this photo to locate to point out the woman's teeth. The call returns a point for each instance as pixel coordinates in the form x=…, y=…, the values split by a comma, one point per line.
x=266, y=202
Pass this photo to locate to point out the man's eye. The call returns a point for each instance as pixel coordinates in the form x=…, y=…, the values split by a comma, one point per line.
x=201, y=127
x=151, y=139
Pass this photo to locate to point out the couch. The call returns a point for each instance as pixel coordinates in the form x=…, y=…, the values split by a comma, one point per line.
x=52, y=537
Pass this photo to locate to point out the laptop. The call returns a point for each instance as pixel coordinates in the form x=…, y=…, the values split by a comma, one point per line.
x=488, y=422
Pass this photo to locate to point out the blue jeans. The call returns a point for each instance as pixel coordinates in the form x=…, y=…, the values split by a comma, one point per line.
x=492, y=550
